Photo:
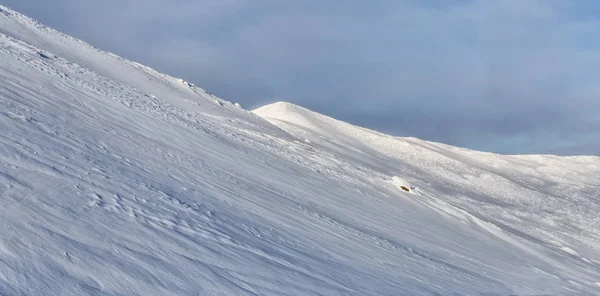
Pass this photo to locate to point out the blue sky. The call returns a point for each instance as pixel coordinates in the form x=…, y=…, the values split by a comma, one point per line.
x=509, y=76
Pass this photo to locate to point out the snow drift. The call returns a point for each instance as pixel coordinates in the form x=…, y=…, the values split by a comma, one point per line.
x=116, y=179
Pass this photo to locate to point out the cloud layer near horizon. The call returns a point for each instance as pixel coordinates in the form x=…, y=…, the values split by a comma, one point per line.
x=507, y=76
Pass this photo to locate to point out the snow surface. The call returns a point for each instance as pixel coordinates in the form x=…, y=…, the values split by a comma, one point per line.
x=119, y=180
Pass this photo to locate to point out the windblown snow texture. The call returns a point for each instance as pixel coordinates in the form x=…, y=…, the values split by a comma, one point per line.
x=118, y=180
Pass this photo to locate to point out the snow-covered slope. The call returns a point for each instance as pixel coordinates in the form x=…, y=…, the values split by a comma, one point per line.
x=542, y=205
x=118, y=180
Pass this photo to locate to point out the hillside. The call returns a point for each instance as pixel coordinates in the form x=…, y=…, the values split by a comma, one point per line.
x=116, y=179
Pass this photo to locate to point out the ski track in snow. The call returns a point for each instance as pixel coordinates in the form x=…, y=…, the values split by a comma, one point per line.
x=118, y=180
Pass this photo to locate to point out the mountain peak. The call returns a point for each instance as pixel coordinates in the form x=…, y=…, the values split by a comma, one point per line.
x=278, y=107
x=298, y=115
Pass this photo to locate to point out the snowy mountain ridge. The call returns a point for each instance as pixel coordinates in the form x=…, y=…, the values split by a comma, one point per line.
x=116, y=179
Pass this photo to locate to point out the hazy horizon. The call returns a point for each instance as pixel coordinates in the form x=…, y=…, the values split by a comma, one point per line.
x=511, y=77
